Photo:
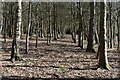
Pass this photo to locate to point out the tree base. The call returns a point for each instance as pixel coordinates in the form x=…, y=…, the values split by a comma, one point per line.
x=54, y=39
x=16, y=58
x=90, y=50
x=107, y=67
x=80, y=46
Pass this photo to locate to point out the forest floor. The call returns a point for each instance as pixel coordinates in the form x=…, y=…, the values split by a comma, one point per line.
x=62, y=59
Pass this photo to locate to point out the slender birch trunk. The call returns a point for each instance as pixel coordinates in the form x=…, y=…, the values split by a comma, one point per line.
x=15, y=55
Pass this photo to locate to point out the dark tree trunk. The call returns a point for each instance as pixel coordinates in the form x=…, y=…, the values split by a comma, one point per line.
x=91, y=26
x=118, y=27
x=111, y=27
x=54, y=23
x=103, y=60
x=11, y=18
x=80, y=26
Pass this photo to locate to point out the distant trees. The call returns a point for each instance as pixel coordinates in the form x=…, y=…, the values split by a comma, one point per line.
x=56, y=19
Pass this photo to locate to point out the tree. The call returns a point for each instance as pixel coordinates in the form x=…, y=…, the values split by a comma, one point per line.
x=49, y=9
x=10, y=20
x=5, y=22
x=96, y=23
x=91, y=26
x=118, y=27
x=54, y=22
x=103, y=60
x=15, y=55
x=1, y=23
x=72, y=23
x=1, y=18
x=28, y=28
x=111, y=27
x=80, y=26
x=37, y=27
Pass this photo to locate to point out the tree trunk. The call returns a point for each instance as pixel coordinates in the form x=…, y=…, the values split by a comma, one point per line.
x=96, y=37
x=111, y=28
x=15, y=55
x=103, y=60
x=72, y=23
x=36, y=30
x=37, y=26
x=80, y=26
x=5, y=25
x=28, y=29
x=41, y=27
x=1, y=24
x=118, y=27
x=91, y=26
x=50, y=32
x=54, y=23
x=11, y=18
x=96, y=23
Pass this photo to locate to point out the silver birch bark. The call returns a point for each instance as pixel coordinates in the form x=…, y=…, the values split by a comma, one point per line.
x=16, y=39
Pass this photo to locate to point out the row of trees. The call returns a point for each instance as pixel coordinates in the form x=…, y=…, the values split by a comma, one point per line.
x=53, y=20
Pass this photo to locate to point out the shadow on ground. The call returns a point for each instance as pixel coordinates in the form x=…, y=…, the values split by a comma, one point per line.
x=32, y=78
x=70, y=68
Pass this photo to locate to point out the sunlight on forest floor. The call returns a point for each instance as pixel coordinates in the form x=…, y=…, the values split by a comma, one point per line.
x=60, y=59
